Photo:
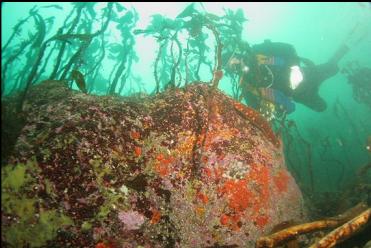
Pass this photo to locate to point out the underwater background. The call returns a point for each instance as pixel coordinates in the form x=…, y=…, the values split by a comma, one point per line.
x=324, y=151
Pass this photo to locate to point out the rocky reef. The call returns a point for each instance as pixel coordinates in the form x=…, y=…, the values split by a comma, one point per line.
x=189, y=167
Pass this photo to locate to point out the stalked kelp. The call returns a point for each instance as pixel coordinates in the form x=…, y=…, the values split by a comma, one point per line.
x=123, y=52
x=11, y=54
x=77, y=45
x=184, y=44
x=165, y=31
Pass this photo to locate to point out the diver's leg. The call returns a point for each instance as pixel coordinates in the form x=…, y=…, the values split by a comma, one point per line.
x=317, y=103
x=314, y=77
x=324, y=72
x=313, y=101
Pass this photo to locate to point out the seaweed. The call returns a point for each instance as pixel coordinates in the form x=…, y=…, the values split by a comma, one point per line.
x=35, y=225
x=124, y=52
x=195, y=23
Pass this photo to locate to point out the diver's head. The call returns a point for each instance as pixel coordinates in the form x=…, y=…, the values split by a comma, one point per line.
x=238, y=60
x=237, y=65
x=240, y=63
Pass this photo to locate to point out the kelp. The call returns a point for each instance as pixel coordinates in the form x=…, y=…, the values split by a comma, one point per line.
x=195, y=23
x=124, y=52
x=349, y=222
x=85, y=37
x=63, y=46
x=9, y=61
x=17, y=29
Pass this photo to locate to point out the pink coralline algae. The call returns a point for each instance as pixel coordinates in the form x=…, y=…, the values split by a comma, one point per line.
x=131, y=219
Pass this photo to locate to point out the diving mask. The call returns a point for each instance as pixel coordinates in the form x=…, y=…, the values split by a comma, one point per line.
x=237, y=65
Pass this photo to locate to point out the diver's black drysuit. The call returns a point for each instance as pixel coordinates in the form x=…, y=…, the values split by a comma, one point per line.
x=313, y=75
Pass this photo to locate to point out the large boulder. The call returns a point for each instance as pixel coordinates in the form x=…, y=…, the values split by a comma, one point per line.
x=189, y=167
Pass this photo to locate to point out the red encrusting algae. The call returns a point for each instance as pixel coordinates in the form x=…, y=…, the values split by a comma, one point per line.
x=281, y=181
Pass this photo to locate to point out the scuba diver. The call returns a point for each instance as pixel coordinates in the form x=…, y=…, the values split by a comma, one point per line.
x=273, y=77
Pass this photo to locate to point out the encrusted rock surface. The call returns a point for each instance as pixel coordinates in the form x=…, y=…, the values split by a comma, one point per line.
x=188, y=167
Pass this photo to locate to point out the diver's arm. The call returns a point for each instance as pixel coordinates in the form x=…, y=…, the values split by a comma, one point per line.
x=306, y=61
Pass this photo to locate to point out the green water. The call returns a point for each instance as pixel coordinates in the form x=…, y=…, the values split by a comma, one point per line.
x=336, y=138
